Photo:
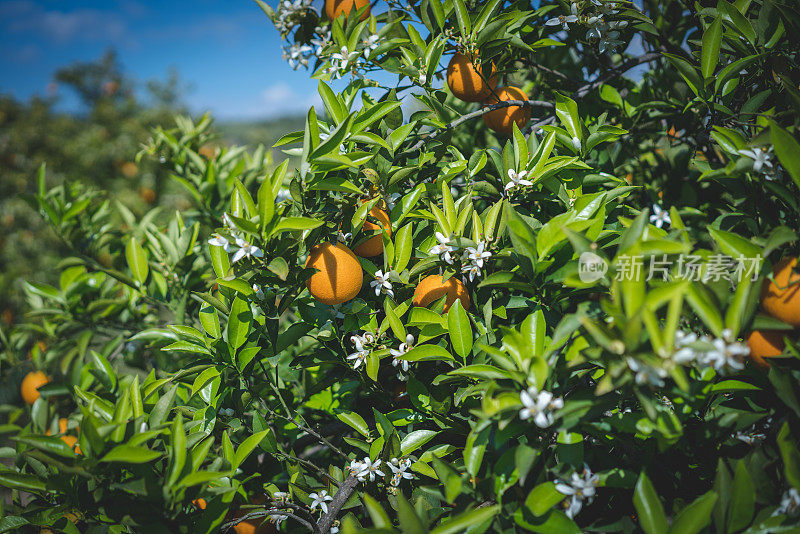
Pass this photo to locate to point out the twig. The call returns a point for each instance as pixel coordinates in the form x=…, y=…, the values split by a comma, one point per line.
x=627, y=65
x=580, y=93
x=294, y=421
x=270, y=511
x=478, y=113
x=346, y=489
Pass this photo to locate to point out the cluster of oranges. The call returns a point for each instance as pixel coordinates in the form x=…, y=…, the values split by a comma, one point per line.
x=467, y=83
x=339, y=276
x=780, y=298
x=463, y=78
x=29, y=390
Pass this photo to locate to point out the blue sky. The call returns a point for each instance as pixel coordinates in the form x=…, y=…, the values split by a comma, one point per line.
x=226, y=50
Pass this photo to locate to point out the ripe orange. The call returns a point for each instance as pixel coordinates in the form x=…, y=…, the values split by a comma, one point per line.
x=129, y=169
x=434, y=287
x=374, y=245
x=207, y=151
x=31, y=384
x=334, y=8
x=147, y=194
x=340, y=276
x=781, y=298
x=72, y=441
x=69, y=440
x=502, y=120
x=765, y=344
x=200, y=503
x=252, y=526
x=465, y=81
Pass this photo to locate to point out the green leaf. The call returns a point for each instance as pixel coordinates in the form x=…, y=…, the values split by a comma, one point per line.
x=355, y=421
x=462, y=16
x=743, y=499
x=137, y=260
x=567, y=112
x=651, y=513
x=460, y=329
x=130, y=455
x=239, y=323
x=734, y=245
x=48, y=444
x=103, y=371
x=696, y=516
x=14, y=480
x=712, y=39
x=422, y=353
x=296, y=223
x=788, y=151
x=163, y=407
x=12, y=523
x=463, y=522
x=209, y=319
x=542, y=498
x=475, y=449
x=380, y=519
x=416, y=439
x=790, y=455
x=247, y=447
x=177, y=458
x=403, y=247
x=410, y=523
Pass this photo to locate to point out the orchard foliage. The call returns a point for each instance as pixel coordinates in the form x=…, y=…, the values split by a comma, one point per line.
x=570, y=392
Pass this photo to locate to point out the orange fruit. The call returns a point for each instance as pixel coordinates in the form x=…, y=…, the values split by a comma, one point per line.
x=129, y=169
x=72, y=441
x=147, y=194
x=252, y=526
x=334, y=8
x=781, y=298
x=374, y=245
x=502, y=120
x=340, y=276
x=69, y=440
x=31, y=384
x=465, y=81
x=207, y=151
x=765, y=344
x=200, y=503
x=434, y=287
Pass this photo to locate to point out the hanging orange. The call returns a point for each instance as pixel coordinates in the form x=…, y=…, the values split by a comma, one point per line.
x=502, y=120
x=434, y=287
x=334, y=8
x=374, y=245
x=465, y=81
x=31, y=384
x=765, y=344
x=340, y=276
x=781, y=298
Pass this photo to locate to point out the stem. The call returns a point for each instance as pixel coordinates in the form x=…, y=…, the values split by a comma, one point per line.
x=478, y=113
x=346, y=489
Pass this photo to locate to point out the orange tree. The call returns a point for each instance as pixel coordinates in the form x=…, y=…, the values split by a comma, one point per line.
x=551, y=334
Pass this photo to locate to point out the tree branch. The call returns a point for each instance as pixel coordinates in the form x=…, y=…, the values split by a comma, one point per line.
x=346, y=489
x=478, y=113
x=617, y=71
x=269, y=511
x=580, y=93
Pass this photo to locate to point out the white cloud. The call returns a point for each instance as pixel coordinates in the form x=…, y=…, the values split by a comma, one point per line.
x=86, y=25
x=281, y=99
